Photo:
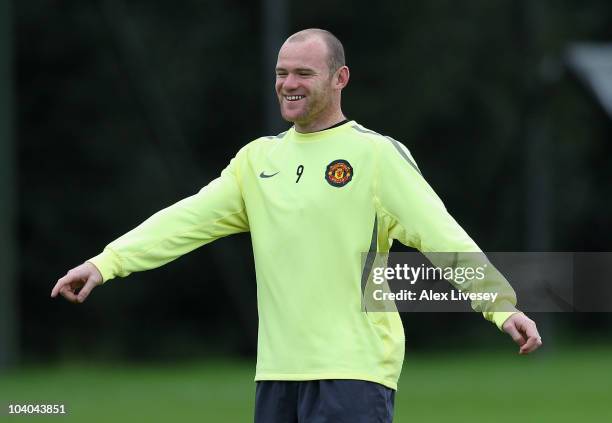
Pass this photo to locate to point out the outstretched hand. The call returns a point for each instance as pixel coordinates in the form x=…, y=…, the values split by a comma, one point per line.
x=78, y=283
x=524, y=332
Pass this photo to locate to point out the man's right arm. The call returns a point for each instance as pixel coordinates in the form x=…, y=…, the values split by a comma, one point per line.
x=217, y=210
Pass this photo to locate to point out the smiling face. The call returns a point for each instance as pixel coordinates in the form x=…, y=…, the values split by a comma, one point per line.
x=308, y=93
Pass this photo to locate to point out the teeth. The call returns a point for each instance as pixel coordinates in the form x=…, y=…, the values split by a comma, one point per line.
x=294, y=97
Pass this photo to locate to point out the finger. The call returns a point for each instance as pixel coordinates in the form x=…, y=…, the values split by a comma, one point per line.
x=528, y=346
x=61, y=282
x=66, y=292
x=84, y=292
x=531, y=330
x=515, y=335
x=532, y=344
x=534, y=340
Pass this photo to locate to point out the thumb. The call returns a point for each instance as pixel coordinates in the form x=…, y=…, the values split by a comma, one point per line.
x=86, y=290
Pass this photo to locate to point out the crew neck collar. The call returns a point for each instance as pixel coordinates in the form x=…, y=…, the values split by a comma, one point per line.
x=303, y=136
x=342, y=122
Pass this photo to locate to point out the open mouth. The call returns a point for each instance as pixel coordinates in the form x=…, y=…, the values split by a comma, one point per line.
x=294, y=97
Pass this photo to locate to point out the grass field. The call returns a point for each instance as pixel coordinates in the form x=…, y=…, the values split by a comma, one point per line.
x=565, y=386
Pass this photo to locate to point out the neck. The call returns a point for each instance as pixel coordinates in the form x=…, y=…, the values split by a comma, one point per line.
x=320, y=124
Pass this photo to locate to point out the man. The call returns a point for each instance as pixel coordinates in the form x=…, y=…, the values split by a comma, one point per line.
x=313, y=198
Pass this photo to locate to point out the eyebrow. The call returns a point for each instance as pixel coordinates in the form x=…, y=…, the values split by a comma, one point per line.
x=296, y=70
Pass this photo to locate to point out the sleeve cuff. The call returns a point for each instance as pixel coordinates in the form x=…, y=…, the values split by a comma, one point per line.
x=500, y=317
x=506, y=308
x=108, y=263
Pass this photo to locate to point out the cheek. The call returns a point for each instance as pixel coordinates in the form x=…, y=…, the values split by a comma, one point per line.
x=318, y=93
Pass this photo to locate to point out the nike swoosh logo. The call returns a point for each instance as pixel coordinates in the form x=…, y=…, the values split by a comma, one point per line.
x=263, y=175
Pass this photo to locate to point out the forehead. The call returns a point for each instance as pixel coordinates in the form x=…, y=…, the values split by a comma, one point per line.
x=311, y=52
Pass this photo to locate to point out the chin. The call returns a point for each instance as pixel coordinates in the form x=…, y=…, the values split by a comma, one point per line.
x=291, y=117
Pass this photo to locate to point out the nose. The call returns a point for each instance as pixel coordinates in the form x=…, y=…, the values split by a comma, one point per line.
x=290, y=82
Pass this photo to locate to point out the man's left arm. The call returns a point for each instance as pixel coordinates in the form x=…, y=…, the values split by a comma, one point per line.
x=420, y=220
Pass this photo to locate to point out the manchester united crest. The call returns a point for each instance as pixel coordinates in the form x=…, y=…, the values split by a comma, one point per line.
x=339, y=173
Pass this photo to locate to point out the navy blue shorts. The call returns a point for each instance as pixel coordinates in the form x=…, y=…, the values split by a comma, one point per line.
x=323, y=401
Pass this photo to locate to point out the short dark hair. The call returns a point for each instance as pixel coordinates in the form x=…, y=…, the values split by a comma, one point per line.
x=335, y=50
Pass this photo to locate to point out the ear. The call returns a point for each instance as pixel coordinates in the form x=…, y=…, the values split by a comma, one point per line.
x=342, y=77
